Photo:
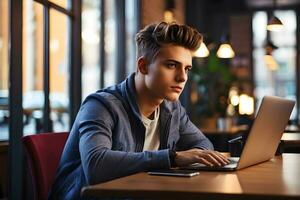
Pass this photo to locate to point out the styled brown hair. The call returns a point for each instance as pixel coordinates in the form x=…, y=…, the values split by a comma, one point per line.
x=150, y=39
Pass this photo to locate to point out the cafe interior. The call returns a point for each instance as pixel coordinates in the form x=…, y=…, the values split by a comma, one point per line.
x=54, y=53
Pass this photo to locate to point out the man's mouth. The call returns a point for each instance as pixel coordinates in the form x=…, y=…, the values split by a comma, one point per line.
x=177, y=88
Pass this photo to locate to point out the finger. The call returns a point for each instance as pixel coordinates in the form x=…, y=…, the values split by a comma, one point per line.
x=210, y=158
x=221, y=158
x=213, y=159
x=204, y=161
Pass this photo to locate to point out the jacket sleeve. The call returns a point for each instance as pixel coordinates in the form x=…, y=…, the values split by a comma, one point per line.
x=190, y=135
x=100, y=163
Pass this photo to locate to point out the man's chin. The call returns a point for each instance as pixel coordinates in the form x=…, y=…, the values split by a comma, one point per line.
x=172, y=98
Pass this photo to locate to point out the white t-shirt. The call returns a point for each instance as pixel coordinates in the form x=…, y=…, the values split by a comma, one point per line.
x=152, y=140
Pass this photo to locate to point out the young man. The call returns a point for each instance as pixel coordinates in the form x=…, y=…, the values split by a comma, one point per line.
x=138, y=124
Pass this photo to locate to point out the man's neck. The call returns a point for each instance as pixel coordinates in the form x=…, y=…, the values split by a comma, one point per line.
x=147, y=103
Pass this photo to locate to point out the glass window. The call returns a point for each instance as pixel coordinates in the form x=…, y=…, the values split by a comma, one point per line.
x=33, y=68
x=286, y=37
x=4, y=69
x=110, y=44
x=59, y=70
x=33, y=47
x=259, y=24
x=278, y=75
x=90, y=46
x=131, y=29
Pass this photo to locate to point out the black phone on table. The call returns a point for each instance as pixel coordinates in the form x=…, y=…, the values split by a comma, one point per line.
x=174, y=172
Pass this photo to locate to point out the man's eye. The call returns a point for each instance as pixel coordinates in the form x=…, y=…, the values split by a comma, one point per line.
x=188, y=69
x=171, y=65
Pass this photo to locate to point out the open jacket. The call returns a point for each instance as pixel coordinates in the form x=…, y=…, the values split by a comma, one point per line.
x=107, y=138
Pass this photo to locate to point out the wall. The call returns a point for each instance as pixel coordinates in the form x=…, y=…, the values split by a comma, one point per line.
x=241, y=40
x=153, y=11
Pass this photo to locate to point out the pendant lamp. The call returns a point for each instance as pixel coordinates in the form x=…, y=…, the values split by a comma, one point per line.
x=275, y=23
x=225, y=50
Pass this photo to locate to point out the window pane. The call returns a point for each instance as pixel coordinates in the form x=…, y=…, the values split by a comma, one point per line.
x=110, y=43
x=260, y=69
x=287, y=36
x=4, y=113
x=59, y=70
x=33, y=96
x=259, y=24
x=62, y=3
x=131, y=29
x=277, y=77
x=90, y=46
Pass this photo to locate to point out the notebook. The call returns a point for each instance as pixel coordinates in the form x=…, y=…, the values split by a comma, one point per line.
x=264, y=136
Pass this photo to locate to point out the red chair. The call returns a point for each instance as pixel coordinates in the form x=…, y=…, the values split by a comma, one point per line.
x=43, y=153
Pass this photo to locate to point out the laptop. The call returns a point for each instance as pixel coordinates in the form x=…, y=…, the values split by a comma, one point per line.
x=264, y=136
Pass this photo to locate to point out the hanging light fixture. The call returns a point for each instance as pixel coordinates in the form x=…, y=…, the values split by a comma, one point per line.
x=202, y=51
x=275, y=23
x=271, y=62
x=225, y=50
x=268, y=58
x=169, y=11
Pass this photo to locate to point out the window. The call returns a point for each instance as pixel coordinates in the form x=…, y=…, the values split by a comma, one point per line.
x=4, y=69
x=33, y=96
x=90, y=46
x=110, y=45
x=35, y=73
x=59, y=70
x=131, y=14
x=47, y=56
x=278, y=77
x=99, y=25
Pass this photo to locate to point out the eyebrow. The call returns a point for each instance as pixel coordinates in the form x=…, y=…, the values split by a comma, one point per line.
x=177, y=62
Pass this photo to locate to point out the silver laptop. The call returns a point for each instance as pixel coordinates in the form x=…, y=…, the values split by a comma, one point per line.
x=264, y=136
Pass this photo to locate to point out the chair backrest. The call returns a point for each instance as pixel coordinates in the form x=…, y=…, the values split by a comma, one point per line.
x=43, y=153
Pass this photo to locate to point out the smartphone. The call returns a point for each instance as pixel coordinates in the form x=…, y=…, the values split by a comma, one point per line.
x=174, y=172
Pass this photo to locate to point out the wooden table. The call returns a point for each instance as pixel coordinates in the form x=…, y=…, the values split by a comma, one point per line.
x=278, y=178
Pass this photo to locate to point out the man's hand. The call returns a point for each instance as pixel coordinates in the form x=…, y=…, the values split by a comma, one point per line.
x=206, y=157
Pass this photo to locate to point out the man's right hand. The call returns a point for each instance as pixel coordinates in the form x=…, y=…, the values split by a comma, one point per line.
x=206, y=157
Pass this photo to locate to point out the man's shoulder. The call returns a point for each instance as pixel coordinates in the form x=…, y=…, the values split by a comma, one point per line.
x=103, y=97
x=110, y=93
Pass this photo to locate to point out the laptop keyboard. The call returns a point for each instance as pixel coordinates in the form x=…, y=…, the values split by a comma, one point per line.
x=233, y=161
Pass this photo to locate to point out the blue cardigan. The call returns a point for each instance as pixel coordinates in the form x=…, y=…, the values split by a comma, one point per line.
x=107, y=138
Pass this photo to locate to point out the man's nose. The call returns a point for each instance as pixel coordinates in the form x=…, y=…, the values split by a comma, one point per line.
x=181, y=75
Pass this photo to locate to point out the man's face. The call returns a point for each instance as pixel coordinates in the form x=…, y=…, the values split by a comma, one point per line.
x=168, y=72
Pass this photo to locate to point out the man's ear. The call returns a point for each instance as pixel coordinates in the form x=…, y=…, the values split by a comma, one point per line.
x=142, y=65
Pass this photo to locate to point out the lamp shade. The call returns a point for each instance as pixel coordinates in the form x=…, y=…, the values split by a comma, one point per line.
x=274, y=24
x=202, y=51
x=168, y=16
x=225, y=51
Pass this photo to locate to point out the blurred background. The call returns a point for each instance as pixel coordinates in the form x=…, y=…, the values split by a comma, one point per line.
x=53, y=53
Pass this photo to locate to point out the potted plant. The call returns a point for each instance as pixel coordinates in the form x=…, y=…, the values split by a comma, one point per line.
x=211, y=81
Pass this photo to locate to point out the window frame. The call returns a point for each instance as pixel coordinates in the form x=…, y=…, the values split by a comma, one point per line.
x=15, y=81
